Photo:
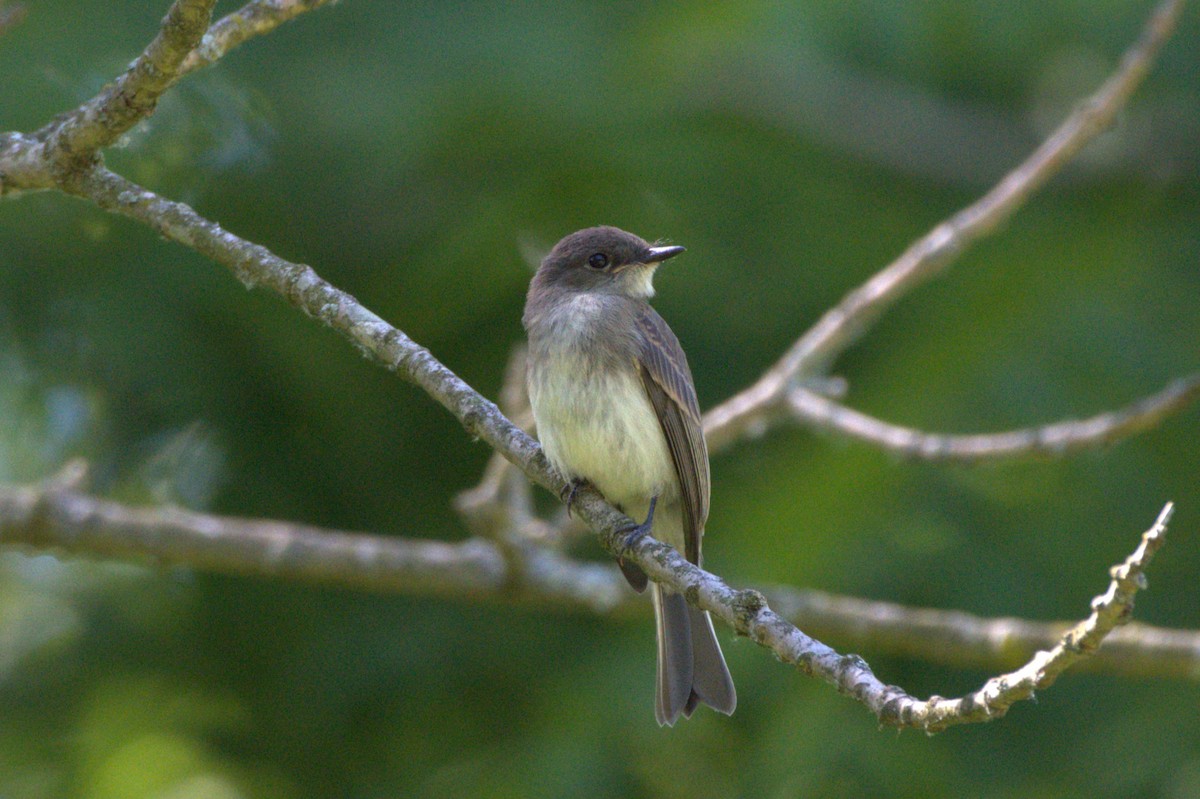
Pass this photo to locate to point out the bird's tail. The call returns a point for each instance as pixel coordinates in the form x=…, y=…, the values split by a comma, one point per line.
x=691, y=668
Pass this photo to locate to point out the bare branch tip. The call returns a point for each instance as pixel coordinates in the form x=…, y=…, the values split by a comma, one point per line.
x=1165, y=516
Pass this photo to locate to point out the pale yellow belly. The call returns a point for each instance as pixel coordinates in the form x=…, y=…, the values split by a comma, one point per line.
x=604, y=429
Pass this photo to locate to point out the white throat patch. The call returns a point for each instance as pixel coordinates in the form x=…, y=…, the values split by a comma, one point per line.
x=639, y=280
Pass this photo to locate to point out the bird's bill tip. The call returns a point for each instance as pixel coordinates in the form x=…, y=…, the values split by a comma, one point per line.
x=660, y=254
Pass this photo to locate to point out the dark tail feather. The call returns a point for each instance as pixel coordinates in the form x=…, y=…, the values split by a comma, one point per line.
x=711, y=681
x=691, y=669
x=636, y=578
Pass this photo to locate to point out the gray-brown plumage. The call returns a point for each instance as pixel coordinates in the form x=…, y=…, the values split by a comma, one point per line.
x=615, y=405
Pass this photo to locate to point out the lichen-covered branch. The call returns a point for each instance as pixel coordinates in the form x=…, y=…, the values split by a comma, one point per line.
x=255, y=265
x=71, y=142
x=1112, y=608
x=955, y=638
x=748, y=613
x=253, y=19
x=764, y=402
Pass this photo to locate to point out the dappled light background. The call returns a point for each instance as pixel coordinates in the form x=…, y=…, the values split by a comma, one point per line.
x=423, y=156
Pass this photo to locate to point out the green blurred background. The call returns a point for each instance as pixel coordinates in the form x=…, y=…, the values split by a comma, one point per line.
x=421, y=156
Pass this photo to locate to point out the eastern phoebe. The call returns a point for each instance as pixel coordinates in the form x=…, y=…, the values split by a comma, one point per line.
x=615, y=406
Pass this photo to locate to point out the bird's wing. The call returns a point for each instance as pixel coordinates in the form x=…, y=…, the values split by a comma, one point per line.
x=668, y=382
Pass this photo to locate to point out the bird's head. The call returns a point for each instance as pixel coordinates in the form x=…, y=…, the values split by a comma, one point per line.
x=604, y=259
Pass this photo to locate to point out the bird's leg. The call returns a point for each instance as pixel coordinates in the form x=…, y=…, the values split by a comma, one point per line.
x=636, y=577
x=636, y=532
x=568, y=493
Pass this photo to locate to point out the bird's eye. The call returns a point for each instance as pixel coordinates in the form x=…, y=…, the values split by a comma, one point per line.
x=598, y=261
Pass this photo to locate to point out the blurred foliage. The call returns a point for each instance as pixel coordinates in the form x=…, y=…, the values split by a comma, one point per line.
x=422, y=156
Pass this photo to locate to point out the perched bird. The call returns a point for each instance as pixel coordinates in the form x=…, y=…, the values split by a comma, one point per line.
x=616, y=407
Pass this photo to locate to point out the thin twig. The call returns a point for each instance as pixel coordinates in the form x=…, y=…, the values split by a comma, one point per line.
x=480, y=506
x=1056, y=439
x=233, y=30
x=956, y=638
x=762, y=402
x=185, y=43
x=71, y=142
x=1112, y=608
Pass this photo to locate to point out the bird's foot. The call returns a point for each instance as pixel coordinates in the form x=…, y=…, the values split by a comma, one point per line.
x=568, y=493
x=637, y=532
x=632, y=534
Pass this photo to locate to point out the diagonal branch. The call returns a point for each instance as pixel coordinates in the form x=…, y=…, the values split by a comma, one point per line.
x=956, y=638
x=255, y=265
x=1112, y=608
x=72, y=141
x=748, y=613
x=763, y=401
x=1055, y=439
x=256, y=18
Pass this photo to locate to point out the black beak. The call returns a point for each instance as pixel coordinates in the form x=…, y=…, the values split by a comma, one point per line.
x=660, y=254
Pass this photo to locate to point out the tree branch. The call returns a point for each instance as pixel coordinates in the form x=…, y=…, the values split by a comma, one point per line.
x=256, y=18
x=1056, y=439
x=1110, y=609
x=255, y=265
x=747, y=612
x=955, y=638
x=764, y=402
x=57, y=516
x=71, y=141
x=68, y=157
x=184, y=43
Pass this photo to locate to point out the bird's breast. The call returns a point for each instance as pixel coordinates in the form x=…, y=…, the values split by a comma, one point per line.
x=595, y=421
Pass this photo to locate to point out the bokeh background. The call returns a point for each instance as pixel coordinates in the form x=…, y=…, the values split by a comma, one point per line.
x=422, y=156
